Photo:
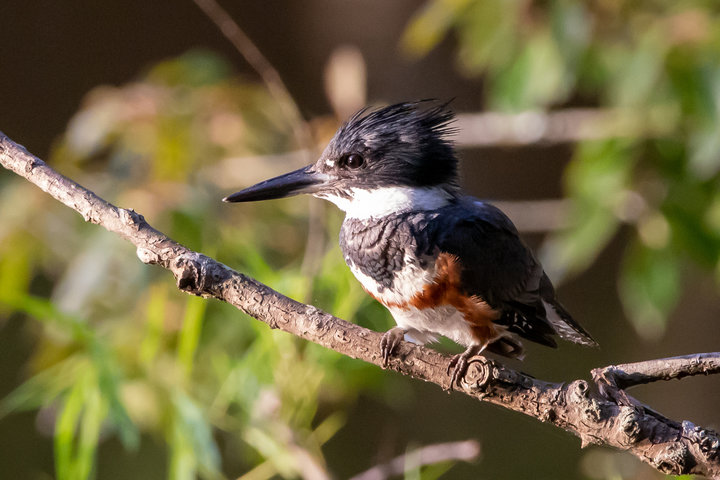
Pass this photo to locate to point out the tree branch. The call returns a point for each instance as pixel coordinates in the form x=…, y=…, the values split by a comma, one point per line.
x=615, y=379
x=494, y=129
x=670, y=446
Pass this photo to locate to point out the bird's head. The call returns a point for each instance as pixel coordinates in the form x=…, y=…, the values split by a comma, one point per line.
x=380, y=161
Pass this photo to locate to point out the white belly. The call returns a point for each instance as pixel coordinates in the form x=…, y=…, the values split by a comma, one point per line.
x=408, y=282
x=425, y=325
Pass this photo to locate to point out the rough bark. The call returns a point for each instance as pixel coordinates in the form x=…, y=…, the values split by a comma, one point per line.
x=604, y=416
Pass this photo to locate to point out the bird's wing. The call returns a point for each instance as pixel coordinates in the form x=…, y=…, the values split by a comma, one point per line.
x=500, y=269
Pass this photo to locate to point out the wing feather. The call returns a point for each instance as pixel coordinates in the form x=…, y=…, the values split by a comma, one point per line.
x=501, y=269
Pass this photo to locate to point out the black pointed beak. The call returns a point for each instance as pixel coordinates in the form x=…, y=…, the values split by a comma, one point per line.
x=300, y=181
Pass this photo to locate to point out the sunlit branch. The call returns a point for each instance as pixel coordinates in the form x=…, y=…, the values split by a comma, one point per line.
x=615, y=379
x=670, y=446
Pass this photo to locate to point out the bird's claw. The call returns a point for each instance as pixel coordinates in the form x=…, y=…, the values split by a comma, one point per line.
x=389, y=342
x=459, y=364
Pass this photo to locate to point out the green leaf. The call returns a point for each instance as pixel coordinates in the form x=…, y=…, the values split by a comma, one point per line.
x=430, y=24
x=649, y=288
x=42, y=388
x=94, y=412
x=155, y=323
x=191, y=442
x=704, y=146
x=189, y=228
x=576, y=248
x=687, y=209
x=109, y=382
x=534, y=80
x=597, y=181
x=44, y=310
x=65, y=431
x=636, y=72
x=195, y=68
x=15, y=268
x=488, y=34
x=571, y=27
x=694, y=83
x=190, y=332
x=437, y=470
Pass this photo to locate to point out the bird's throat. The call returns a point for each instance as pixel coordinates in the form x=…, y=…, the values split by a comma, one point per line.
x=364, y=204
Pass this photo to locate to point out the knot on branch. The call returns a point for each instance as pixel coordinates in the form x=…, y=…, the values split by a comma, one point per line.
x=706, y=439
x=607, y=381
x=130, y=217
x=578, y=393
x=483, y=373
x=318, y=324
x=147, y=256
x=674, y=459
x=189, y=275
x=32, y=163
x=478, y=375
x=197, y=274
x=629, y=421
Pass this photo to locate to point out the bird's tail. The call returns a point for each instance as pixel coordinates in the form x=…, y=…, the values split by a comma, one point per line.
x=565, y=326
x=507, y=347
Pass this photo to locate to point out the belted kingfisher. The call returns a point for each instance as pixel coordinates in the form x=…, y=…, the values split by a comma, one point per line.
x=443, y=263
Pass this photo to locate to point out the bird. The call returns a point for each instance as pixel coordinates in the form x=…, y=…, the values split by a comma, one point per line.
x=442, y=262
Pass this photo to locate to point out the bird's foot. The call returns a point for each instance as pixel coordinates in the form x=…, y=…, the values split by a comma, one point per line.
x=389, y=342
x=459, y=364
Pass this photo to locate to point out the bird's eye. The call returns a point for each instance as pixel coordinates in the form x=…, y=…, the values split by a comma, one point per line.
x=353, y=160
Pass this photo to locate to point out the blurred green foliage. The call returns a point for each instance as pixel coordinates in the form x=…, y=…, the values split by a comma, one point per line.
x=656, y=63
x=121, y=351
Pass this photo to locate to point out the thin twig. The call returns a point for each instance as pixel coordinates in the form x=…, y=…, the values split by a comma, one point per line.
x=465, y=451
x=536, y=216
x=615, y=379
x=270, y=76
x=493, y=129
x=671, y=447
